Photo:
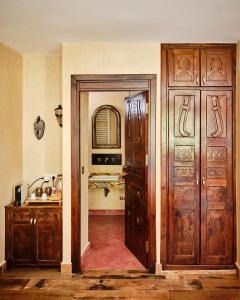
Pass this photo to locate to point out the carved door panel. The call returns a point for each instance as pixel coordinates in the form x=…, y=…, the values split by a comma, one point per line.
x=183, y=67
x=216, y=185
x=216, y=67
x=22, y=236
x=135, y=180
x=184, y=159
x=48, y=236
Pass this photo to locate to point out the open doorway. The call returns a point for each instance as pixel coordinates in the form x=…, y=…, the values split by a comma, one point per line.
x=113, y=180
x=120, y=211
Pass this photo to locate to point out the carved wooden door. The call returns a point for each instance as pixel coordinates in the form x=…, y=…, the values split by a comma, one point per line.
x=184, y=173
x=136, y=121
x=216, y=192
x=183, y=67
x=216, y=67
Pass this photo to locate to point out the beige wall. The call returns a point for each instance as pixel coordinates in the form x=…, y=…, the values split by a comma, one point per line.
x=97, y=200
x=41, y=95
x=102, y=59
x=11, y=130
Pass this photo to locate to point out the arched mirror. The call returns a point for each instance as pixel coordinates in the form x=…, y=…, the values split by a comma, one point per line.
x=106, y=128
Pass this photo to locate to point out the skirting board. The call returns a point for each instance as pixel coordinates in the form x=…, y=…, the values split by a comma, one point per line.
x=106, y=212
x=85, y=252
x=176, y=273
x=237, y=270
x=3, y=267
x=66, y=268
x=158, y=268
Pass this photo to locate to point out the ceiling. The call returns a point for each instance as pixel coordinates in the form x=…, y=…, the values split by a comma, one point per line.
x=43, y=25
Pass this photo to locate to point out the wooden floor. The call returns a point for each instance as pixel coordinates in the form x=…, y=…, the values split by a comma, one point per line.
x=40, y=284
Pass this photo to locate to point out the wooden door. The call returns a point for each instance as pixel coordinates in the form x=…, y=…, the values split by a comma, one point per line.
x=184, y=161
x=183, y=67
x=216, y=67
x=22, y=236
x=136, y=128
x=47, y=235
x=216, y=184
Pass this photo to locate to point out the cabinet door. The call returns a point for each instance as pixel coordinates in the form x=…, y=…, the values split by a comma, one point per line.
x=216, y=67
x=216, y=170
x=48, y=235
x=184, y=135
x=22, y=236
x=183, y=67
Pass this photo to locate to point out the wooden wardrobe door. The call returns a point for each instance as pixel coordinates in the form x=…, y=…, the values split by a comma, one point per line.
x=216, y=67
x=183, y=67
x=184, y=139
x=136, y=214
x=216, y=183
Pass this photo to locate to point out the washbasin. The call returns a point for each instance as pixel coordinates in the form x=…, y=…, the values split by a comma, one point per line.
x=104, y=178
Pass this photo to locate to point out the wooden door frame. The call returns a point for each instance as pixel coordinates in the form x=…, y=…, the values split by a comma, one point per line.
x=111, y=82
x=164, y=148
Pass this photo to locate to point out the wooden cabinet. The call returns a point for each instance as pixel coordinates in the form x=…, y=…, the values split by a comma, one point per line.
x=33, y=235
x=198, y=199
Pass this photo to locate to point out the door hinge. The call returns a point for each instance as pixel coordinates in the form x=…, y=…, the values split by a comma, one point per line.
x=146, y=160
x=147, y=246
x=147, y=108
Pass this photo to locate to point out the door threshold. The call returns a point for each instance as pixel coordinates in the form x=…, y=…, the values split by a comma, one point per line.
x=117, y=274
x=114, y=271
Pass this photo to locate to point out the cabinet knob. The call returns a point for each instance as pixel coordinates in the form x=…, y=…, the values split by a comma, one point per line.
x=31, y=221
x=34, y=221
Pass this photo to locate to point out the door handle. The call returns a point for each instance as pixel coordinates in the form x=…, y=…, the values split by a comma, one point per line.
x=197, y=79
x=203, y=182
x=203, y=79
x=31, y=221
x=197, y=181
x=124, y=173
x=34, y=221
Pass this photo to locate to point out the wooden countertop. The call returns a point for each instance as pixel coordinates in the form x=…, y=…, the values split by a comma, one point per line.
x=54, y=205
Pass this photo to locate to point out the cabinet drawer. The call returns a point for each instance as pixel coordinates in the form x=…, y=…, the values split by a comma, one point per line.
x=22, y=215
x=50, y=214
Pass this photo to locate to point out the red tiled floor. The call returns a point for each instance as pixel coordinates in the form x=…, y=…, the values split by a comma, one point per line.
x=108, y=251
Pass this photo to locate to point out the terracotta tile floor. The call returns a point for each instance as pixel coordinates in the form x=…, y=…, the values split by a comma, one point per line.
x=108, y=251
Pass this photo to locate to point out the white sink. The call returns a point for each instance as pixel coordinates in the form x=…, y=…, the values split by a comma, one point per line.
x=104, y=178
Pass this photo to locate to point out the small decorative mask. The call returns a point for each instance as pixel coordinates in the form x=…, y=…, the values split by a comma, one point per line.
x=39, y=128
